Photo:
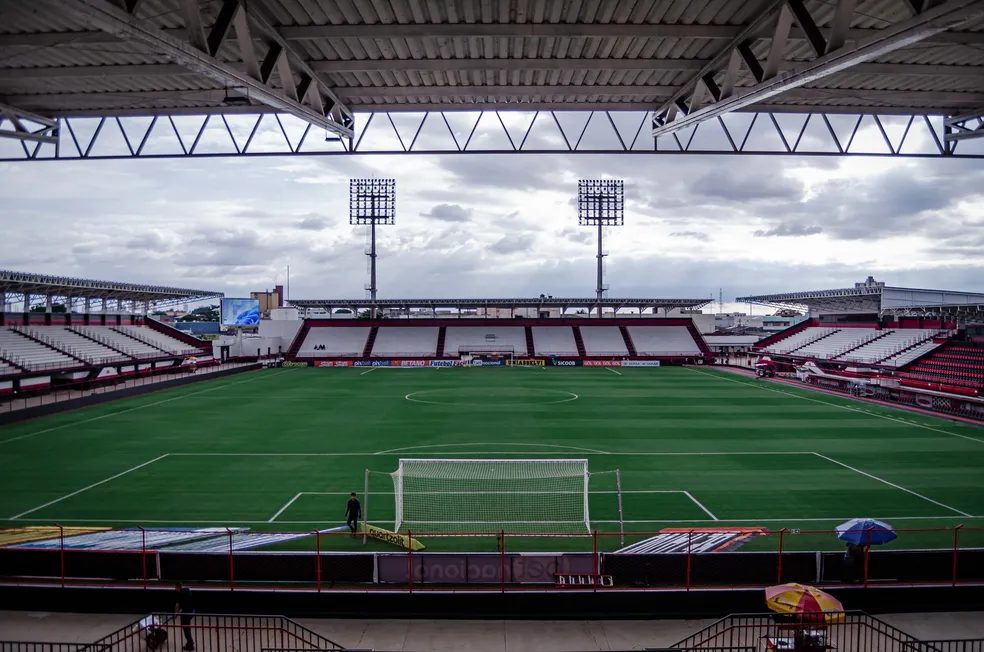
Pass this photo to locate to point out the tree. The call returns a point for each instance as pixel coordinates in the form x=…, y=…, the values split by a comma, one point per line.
x=204, y=313
x=55, y=307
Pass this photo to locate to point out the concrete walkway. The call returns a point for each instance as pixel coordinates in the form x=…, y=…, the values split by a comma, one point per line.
x=472, y=635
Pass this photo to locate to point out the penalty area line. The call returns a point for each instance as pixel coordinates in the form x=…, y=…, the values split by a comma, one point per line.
x=284, y=508
x=701, y=505
x=369, y=371
x=617, y=373
x=91, y=486
x=892, y=484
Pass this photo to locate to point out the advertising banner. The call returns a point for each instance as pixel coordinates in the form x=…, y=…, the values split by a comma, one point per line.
x=290, y=364
x=327, y=363
x=602, y=363
x=565, y=363
x=380, y=363
x=444, y=363
x=640, y=363
x=412, y=363
x=362, y=363
x=526, y=362
x=477, y=362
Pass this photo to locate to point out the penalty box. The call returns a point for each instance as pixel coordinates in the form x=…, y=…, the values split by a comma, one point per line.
x=657, y=487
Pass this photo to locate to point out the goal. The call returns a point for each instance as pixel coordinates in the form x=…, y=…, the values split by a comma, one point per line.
x=492, y=495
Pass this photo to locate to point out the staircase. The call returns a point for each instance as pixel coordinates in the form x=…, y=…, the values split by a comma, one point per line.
x=581, y=351
x=23, y=332
x=102, y=340
x=441, y=334
x=142, y=340
x=530, y=346
x=628, y=341
x=814, y=340
x=367, y=351
x=880, y=335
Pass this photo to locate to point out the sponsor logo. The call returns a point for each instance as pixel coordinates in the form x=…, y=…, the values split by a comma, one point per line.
x=332, y=363
x=565, y=363
x=291, y=364
x=412, y=363
x=526, y=362
x=380, y=363
x=362, y=363
x=602, y=363
x=640, y=363
x=444, y=363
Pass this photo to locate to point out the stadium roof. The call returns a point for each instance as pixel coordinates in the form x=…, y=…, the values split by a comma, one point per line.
x=81, y=288
x=321, y=60
x=536, y=302
x=875, y=297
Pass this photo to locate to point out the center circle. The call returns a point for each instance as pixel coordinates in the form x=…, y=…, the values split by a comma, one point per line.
x=491, y=397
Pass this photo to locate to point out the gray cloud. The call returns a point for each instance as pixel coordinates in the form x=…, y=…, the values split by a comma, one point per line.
x=697, y=235
x=511, y=244
x=789, y=229
x=741, y=183
x=312, y=223
x=448, y=213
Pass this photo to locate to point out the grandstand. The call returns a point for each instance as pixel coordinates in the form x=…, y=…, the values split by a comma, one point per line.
x=100, y=334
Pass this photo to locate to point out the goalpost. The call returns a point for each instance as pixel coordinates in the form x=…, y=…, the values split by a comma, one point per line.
x=490, y=495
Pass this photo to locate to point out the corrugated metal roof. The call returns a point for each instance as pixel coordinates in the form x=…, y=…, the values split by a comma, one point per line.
x=509, y=46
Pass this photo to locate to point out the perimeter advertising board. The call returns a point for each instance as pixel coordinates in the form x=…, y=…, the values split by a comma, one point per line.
x=602, y=363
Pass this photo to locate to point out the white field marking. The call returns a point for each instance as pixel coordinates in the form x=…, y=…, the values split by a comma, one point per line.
x=369, y=371
x=139, y=407
x=369, y=454
x=678, y=520
x=572, y=397
x=284, y=508
x=617, y=373
x=94, y=484
x=491, y=443
x=842, y=407
x=892, y=484
x=699, y=504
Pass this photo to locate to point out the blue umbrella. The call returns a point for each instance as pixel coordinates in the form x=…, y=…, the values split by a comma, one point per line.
x=865, y=531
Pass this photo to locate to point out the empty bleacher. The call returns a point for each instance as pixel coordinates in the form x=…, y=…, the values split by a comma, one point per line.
x=603, y=340
x=120, y=341
x=159, y=340
x=953, y=363
x=462, y=339
x=407, y=341
x=554, y=340
x=30, y=354
x=663, y=340
x=66, y=339
x=335, y=341
x=7, y=369
x=837, y=342
x=886, y=344
x=798, y=340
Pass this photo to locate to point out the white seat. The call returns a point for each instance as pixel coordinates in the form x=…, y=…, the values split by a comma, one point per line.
x=603, y=340
x=396, y=341
x=554, y=340
x=663, y=340
x=327, y=341
x=460, y=339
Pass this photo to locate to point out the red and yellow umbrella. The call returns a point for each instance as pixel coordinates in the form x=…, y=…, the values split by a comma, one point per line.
x=801, y=599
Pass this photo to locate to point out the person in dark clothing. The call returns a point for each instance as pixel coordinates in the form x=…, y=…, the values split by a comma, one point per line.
x=854, y=562
x=353, y=512
x=184, y=605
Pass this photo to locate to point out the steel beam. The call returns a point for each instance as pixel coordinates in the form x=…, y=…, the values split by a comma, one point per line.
x=46, y=133
x=936, y=20
x=964, y=127
x=111, y=19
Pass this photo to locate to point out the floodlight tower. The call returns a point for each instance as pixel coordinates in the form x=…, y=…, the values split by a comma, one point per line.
x=372, y=202
x=601, y=203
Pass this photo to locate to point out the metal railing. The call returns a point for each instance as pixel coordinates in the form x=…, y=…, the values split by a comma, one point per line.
x=214, y=633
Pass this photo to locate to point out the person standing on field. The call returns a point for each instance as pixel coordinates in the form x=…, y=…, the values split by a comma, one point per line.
x=353, y=512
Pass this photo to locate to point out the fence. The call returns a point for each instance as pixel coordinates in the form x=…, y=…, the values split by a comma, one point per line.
x=596, y=561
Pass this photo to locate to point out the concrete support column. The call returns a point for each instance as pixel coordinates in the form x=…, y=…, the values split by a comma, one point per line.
x=88, y=305
x=47, y=303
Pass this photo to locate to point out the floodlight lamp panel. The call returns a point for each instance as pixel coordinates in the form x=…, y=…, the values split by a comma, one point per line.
x=601, y=201
x=372, y=201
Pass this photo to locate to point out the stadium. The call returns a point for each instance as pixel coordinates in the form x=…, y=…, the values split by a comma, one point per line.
x=313, y=468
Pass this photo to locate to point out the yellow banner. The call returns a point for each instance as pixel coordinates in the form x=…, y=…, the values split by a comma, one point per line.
x=399, y=540
x=526, y=362
x=11, y=536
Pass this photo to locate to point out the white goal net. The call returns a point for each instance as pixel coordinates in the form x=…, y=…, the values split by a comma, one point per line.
x=479, y=496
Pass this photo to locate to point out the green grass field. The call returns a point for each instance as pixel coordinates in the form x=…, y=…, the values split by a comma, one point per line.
x=696, y=448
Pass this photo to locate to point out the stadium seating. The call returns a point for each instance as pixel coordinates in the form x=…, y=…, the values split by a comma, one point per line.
x=79, y=346
x=663, y=340
x=20, y=349
x=395, y=341
x=887, y=344
x=460, y=339
x=953, y=363
x=335, y=341
x=603, y=340
x=554, y=340
x=159, y=340
x=120, y=341
x=6, y=369
x=798, y=340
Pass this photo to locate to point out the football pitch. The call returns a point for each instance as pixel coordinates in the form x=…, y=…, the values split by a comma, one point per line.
x=281, y=449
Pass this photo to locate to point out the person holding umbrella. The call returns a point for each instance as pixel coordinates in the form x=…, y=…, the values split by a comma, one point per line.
x=860, y=534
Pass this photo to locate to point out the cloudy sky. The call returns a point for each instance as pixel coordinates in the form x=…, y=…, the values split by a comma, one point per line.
x=501, y=225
